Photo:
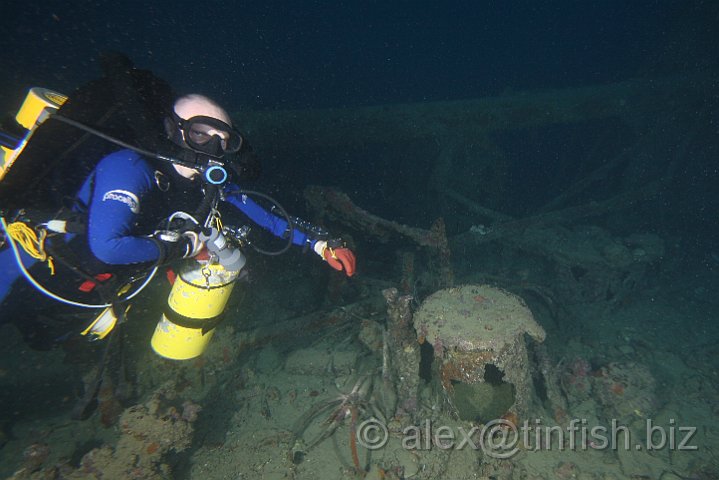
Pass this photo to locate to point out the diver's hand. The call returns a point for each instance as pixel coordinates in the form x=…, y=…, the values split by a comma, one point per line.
x=338, y=257
x=175, y=245
x=194, y=244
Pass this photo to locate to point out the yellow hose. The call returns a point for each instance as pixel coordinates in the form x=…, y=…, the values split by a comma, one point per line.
x=33, y=244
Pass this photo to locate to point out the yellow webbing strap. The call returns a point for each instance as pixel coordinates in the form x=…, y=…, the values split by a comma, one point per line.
x=33, y=244
x=217, y=221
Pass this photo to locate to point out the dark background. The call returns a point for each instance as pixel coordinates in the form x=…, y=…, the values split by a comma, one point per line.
x=287, y=55
x=277, y=54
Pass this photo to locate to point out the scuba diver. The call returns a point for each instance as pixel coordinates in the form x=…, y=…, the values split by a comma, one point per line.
x=135, y=209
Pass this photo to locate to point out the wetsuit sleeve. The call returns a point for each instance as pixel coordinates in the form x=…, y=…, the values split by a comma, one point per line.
x=274, y=224
x=121, y=181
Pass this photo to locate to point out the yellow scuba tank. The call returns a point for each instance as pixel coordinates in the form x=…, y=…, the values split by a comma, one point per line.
x=38, y=105
x=197, y=301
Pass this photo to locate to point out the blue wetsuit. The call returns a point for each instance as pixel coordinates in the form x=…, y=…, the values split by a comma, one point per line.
x=118, y=198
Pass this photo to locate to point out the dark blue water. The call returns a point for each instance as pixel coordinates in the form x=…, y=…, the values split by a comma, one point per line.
x=285, y=55
x=299, y=54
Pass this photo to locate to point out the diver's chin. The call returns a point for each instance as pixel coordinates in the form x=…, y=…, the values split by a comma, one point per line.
x=186, y=172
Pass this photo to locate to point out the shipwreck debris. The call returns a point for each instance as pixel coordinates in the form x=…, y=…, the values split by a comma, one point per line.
x=480, y=351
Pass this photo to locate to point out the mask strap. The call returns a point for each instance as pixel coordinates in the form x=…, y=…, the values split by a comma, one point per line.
x=174, y=130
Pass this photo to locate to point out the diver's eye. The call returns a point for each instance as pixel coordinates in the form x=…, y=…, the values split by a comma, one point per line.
x=198, y=136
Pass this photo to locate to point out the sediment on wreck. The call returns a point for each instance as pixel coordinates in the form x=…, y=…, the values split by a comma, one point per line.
x=479, y=334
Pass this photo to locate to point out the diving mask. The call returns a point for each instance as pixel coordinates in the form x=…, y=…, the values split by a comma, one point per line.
x=205, y=135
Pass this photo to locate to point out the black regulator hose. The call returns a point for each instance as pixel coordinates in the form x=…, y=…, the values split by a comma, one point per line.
x=283, y=212
x=119, y=142
x=208, y=201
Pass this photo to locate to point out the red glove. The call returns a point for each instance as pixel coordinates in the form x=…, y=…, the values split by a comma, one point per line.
x=340, y=258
